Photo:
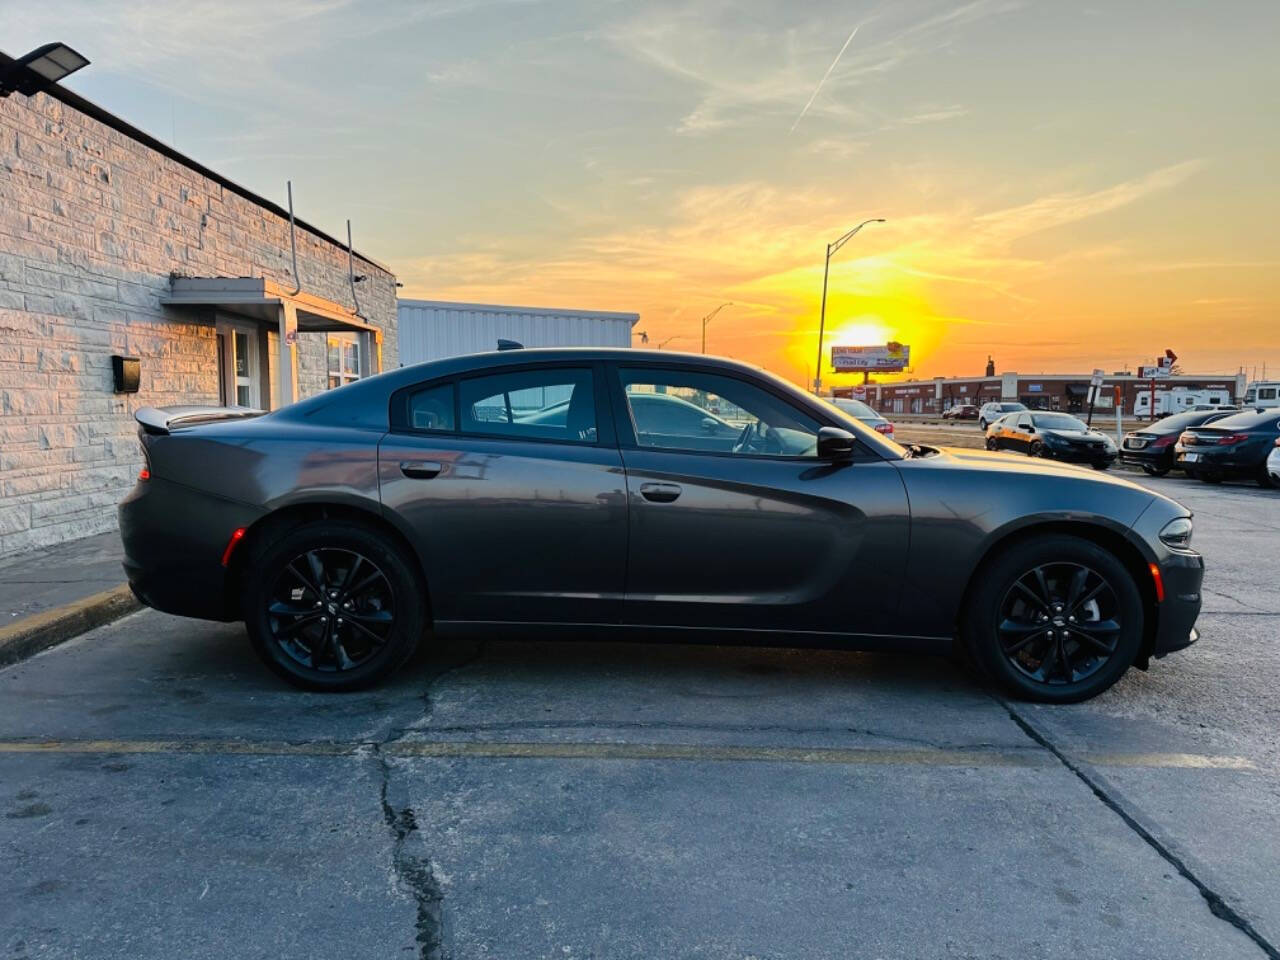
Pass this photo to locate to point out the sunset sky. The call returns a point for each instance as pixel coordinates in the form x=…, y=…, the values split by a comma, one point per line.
x=1066, y=186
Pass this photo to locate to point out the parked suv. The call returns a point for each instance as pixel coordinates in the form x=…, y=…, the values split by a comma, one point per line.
x=995, y=409
x=1152, y=448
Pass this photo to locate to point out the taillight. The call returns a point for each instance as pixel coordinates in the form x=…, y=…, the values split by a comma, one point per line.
x=886, y=428
x=144, y=474
x=1161, y=442
x=1231, y=438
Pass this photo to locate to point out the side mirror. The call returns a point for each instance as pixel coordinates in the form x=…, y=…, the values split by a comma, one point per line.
x=1029, y=428
x=835, y=444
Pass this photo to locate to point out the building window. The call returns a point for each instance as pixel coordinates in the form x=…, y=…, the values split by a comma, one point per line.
x=344, y=359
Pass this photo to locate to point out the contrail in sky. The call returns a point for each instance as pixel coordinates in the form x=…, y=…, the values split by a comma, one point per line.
x=818, y=89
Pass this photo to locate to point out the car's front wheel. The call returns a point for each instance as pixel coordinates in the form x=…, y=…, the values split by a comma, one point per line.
x=1056, y=619
x=991, y=443
x=333, y=605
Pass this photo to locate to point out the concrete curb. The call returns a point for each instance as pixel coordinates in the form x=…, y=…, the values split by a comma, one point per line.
x=32, y=634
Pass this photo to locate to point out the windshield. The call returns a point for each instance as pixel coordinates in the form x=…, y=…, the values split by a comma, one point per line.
x=1012, y=406
x=1058, y=421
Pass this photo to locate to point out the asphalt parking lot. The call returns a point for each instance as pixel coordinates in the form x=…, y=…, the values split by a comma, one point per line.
x=163, y=795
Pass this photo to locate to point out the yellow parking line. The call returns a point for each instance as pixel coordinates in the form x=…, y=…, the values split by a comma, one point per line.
x=503, y=750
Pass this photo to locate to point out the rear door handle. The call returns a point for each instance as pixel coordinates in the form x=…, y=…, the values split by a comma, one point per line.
x=421, y=469
x=660, y=492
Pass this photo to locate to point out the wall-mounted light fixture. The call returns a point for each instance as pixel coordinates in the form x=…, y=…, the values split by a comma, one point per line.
x=43, y=66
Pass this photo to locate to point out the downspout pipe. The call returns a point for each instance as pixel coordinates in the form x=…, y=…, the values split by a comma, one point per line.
x=351, y=273
x=293, y=244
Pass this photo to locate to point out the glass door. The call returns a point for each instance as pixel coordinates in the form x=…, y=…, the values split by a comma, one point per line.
x=240, y=373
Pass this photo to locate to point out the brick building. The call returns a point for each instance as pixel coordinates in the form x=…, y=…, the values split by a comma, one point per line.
x=114, y=244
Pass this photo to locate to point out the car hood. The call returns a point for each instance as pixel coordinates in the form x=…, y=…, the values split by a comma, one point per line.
x=1074, y=434
x=1005, y=463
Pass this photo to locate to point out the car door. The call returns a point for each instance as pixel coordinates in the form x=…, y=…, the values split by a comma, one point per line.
x=512, y=486
x=1022, y=433
x=758, y=534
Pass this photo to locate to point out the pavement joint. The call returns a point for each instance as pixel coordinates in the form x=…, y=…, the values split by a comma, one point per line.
x=1217, y=905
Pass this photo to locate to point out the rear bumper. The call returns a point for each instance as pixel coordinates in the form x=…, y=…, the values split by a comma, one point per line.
x=1183, y=574
x=174, y=538
x=1157, y=459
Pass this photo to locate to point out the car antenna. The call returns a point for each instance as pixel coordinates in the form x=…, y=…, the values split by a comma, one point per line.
x=509, y=344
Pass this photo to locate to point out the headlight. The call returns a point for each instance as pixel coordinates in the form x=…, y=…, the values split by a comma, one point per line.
x=1177, y=533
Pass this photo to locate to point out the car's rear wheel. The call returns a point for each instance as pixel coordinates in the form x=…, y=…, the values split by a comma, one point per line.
x=1056, y=619
x=333, y=605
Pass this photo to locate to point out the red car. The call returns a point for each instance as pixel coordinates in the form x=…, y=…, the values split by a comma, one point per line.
x=962, y=411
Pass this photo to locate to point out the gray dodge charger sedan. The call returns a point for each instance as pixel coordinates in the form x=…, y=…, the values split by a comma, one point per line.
x=642, y=494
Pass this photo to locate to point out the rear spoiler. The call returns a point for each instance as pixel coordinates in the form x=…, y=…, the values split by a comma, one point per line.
x=163, y=420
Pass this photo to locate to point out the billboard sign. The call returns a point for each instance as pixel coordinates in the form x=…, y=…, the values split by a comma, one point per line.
x=1152, y=373
x=890, y=358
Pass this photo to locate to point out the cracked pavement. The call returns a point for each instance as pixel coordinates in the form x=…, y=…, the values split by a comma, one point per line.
x=162, y=794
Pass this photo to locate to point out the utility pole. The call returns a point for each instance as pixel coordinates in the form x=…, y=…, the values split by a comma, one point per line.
x=822, y=316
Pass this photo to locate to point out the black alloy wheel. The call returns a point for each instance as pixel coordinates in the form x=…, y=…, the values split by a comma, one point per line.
x=1036, y=449
x=1059, y=623
x=331, y=609
x=991, y=443
x=333, y=605
x=1054, y=618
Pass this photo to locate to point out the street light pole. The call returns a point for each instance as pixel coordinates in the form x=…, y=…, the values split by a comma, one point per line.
x=822, y=317
x=707, y=319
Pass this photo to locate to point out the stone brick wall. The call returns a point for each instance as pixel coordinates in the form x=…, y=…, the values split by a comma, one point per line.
x=92, y=225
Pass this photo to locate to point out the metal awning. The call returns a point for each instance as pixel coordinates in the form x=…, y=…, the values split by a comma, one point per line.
x=261, y=299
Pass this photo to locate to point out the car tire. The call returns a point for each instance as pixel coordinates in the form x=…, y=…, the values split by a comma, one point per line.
x=344, y=625
x=1264, y=477
x=1036, y=449
x=1100, y=464
x=1151, y=471
x=982, y=424
x=991, y=443
x=1077, y=669
x=1204, y=477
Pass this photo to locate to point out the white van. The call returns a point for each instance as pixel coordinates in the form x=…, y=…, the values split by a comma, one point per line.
x=1262, y=393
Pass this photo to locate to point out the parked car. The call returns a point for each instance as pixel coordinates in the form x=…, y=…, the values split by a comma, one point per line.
x=1054, y=436
x=1152, y=447
x=342, y=528
x=995, y=427
x=864, y=412
x=995, y=409
x=1234, y=447
x=1273, y=463
x=961, y=411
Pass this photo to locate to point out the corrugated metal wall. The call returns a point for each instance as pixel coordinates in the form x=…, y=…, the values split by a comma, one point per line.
x=432, y=329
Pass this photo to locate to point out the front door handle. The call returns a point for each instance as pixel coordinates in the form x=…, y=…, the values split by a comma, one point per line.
x=421, y=469
x=660, y=492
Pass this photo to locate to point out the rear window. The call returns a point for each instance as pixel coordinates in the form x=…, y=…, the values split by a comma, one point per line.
x=1250, y=420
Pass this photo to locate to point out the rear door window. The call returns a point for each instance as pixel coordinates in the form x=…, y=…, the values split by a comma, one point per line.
x=551, y=404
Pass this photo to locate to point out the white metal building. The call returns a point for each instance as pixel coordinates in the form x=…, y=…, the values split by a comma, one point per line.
x=432, y=329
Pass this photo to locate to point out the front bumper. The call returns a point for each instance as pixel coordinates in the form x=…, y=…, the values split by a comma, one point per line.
x=1182, y=575
x=174, y=538
x=1079, y=455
